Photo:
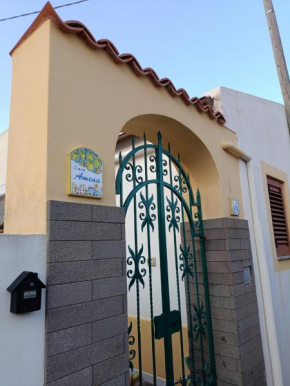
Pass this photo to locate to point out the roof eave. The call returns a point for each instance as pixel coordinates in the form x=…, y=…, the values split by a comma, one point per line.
x=79, y=29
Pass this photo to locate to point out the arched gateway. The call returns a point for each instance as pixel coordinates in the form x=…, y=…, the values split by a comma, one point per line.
x=159, y=193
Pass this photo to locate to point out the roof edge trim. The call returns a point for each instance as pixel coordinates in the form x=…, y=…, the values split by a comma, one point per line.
x=81, y=31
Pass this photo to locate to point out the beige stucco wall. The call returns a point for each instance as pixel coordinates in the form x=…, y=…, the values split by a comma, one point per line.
x=86, y=100
x=25, y=207
x=3, y=160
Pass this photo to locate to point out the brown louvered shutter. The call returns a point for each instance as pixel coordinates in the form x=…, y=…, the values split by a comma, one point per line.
x=279, y=219
x=2, y=213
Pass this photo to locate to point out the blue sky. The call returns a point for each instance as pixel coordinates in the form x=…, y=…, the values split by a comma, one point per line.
x=200, y=45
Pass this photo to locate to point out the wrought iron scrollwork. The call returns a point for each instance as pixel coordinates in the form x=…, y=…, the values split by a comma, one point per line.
x=152, y=168
x=187, y=263
x=129, y=176
x=173, y=218
x=131, y=341
x=200, y=319
x=137, y=274
x=205, y=376
x=184, y=185
x=181, y=184
x=176, y=179
x=175, y=204
x=147, y=217
x=139, y=170
x=134, y=173
x=197, y=223
x=165, y=164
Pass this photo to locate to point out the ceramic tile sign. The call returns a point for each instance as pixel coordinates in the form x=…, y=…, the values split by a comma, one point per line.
x=234, y=207
x=85, y=173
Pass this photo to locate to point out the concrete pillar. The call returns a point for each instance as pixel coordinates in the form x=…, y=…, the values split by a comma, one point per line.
x=236, y=329
x=86, y=318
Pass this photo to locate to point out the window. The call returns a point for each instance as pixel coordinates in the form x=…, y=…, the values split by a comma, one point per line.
x=278, y=212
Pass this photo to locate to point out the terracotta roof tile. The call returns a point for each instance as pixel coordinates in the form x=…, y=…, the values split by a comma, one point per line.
x=80, y=30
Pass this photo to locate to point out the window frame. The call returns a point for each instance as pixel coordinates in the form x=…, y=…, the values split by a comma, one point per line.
x=283, y=251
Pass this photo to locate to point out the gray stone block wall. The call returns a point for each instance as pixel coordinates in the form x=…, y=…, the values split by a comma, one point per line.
x=236, y=329
x=86, y=316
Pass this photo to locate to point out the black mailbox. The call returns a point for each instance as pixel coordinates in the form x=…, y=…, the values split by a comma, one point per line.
x=25, y=293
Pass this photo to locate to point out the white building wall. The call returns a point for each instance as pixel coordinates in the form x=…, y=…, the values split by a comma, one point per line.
x=22, y=336
x=262, y=133
x=3, y=160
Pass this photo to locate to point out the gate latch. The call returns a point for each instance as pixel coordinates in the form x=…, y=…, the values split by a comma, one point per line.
x=174, y=323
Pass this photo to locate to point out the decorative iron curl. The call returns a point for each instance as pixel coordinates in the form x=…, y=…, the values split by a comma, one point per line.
x=129, y=176
x=147, y=217
x=200, y=321
x=180, y=181
x=197, y=224
x=131, y=341
x=176, y=186
x=173, y=218
x=138, y=274
x=205, y=376
x=184, y=188
x=133, y=173
x=164, y=164
x=139, y=170
x=187, y=264
x=152, y=168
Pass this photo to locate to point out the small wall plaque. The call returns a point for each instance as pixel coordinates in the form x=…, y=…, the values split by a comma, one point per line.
x=85, y=173
x=234, y=207
x=247, y=275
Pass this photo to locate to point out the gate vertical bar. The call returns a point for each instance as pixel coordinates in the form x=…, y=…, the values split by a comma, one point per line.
x=188, y=296
x=206, y=290
x=150, y=266
x=177, y=273
x=137, y=281
x=164, y=265
x=121, y=190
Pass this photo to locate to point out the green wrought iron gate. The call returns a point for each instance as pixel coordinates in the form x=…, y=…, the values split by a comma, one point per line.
x=171, y=210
